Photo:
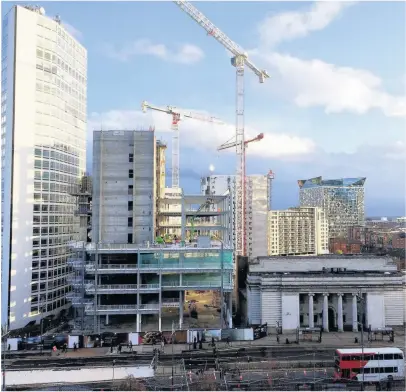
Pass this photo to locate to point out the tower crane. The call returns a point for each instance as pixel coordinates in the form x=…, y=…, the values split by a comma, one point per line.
x=226, y=145
x=239, y=61
x=176, y=117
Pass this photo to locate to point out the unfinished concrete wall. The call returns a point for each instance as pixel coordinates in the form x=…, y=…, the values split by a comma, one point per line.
x=123, y=186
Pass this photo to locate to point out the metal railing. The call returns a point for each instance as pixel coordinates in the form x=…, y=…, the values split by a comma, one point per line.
x=132, y=247
x=122, y=308
x=164, y=266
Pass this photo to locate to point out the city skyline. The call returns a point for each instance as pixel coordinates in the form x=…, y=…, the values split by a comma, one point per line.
x=179, y=65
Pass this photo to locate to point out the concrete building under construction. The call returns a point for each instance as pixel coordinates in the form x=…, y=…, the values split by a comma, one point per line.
x=124, y=276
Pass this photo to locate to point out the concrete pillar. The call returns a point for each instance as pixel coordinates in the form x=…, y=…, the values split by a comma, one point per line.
x=181, y=304
x=311, y=314
x=340, y=323
x=230, y=310
x=138, y=322
x=325, y=312
x=354, y=313
x=107, y=319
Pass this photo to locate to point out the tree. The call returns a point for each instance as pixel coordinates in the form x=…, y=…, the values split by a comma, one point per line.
x=131, y=384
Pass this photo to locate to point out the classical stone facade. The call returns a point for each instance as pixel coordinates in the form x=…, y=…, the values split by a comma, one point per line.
x=334, y=292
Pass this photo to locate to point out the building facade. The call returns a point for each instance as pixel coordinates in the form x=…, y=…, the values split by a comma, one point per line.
x=341, y=199
x=258, y=202
x=124, y=186
x=115, y=283
x=43, y=134
x=336, y=293
x=297, y=231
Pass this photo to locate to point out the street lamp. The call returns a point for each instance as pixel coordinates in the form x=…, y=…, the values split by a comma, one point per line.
x=362, y=301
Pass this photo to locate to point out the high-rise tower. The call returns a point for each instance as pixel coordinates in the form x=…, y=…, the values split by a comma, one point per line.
x=341, y=199
x=43, y=142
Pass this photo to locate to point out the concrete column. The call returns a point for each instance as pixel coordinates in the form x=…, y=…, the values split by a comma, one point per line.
x=311, y=315
x=107, y=319
x=230, y=310
x=340, y=323
x=354, y=313
x=138, y=322
x=181, y=304
x=160, y=302
x=325, y=312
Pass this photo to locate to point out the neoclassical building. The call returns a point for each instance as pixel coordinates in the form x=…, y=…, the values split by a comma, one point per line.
x=334, y=292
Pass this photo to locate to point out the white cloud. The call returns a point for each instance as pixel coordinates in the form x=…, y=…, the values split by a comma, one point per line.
x=72, y=30
x=183, y=54
x=203, y=136
x=290, y=25
x=316, y=83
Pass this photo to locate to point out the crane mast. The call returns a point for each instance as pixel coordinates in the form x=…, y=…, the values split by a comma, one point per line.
x=239, y=61
x=176, y=118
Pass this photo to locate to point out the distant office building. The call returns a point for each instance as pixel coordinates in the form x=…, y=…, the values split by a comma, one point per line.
x=342, y=200
x=297, y=231
x=258, y=203
x=124, y=160
x=43, y=147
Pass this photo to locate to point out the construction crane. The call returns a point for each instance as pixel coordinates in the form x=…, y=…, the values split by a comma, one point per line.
x=229, y=144
x=176, y=117
x=239, y=61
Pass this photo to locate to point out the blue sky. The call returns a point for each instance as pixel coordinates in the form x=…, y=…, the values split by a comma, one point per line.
x=335, y=105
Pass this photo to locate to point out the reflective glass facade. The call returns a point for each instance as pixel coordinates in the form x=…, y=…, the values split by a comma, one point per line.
x=341, y=199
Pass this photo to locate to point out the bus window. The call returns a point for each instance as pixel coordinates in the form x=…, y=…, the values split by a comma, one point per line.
x=367, y=370
x=388, y=356
x=395, y=370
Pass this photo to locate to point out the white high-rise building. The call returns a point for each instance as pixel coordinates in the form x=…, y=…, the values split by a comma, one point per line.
x=258, y=202
x=43, y=143
x=301, y=231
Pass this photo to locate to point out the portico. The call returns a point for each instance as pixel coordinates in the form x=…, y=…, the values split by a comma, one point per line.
x=336, y=293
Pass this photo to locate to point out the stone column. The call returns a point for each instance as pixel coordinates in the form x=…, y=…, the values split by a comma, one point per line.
x=340, y=323
x=325, y=312
x=354, y=313
x=311, y=315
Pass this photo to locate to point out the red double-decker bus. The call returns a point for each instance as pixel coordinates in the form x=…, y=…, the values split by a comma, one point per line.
x=374, y=365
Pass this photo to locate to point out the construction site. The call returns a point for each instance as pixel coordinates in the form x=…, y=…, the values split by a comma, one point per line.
x=159, y=259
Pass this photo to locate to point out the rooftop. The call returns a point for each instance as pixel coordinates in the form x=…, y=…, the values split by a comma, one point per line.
x=319, y=182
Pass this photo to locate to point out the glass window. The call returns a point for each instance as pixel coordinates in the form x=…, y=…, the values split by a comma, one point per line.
x=388, y=356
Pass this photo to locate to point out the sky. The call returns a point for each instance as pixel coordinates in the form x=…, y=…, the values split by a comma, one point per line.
x=335, y=105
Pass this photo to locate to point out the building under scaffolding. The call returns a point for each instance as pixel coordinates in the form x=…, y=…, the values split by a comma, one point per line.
x=138, y=282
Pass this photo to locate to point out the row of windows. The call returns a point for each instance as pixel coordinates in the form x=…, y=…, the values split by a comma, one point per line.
x=53, y=187
x=53, y=230
x=54, y=252
x=51, y=285
x=45, y=219
x=58, y=177
x=370, y=357
x=54, y=208
x=58, y=156
x=36, y=242
x=54, y=198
